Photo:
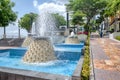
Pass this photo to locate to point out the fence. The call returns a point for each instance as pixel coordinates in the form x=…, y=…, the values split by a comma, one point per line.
x=12, y=36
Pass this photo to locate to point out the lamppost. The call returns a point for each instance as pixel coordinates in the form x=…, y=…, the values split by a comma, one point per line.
x=31, y=21
x=67, y=19
x=19, y=30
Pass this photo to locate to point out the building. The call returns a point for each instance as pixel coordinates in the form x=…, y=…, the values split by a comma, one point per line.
x=114, y=22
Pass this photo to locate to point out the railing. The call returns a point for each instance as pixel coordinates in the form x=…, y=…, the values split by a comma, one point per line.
x=11, y=36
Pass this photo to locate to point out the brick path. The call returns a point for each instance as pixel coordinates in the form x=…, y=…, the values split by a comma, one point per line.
x=106, y=58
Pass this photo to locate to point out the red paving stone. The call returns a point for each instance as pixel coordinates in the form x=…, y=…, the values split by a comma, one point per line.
x=106, y=58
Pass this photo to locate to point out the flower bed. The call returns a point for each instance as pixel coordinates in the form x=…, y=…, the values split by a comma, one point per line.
x=83, y=33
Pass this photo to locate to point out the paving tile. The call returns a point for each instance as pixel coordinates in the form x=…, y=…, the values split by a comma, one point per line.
x=106, y=58
x=106, y=75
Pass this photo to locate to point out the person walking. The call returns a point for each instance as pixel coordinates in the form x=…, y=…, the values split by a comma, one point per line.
x=101, y=34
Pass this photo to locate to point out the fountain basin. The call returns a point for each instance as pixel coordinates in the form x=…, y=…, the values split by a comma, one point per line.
x=39, y=50
x=63, y=68
x=72, y=40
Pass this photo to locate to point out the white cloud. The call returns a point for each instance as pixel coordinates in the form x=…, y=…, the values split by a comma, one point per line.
x=61, y=1
x=52, y=8
x=35, y=3
x=57, y=6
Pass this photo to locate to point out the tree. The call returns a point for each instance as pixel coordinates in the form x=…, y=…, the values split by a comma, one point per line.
x=77, y=18
x=7, y=15
x=112, y=7
x=88, y=7
x=60, y=20
x=27, y=20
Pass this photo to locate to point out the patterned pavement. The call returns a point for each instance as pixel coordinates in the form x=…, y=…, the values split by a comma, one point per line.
x=106, y=58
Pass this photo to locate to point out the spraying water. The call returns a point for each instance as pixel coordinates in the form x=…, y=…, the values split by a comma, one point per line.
x=41, y=49
x=45, y=24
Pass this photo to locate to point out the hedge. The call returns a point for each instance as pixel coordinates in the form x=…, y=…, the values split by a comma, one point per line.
x=85, y=67
x=117, y=37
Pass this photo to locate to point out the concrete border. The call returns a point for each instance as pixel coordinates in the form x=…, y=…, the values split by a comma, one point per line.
x=77, y=73
x=92, y=74
x=33, y=74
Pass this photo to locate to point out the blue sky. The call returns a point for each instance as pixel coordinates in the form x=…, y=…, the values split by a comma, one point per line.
x=26, y=6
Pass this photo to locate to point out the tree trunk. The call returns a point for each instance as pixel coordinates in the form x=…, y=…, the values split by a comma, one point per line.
x=87, y=24
x=4, y=35
x=29, y=32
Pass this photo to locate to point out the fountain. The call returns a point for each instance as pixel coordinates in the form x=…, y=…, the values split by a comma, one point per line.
x=41, y=49
x=43, y=59
x=45, y=25
x=72, y=39
x=27, y=41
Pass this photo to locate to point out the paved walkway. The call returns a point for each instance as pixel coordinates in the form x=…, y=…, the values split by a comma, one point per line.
x=106, y=58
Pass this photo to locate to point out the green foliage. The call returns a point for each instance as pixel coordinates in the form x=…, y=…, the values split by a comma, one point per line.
x=117, y=37
x=87, y=42
x=27, y=20
x=60, y=21
x=85, y=68
x=77, y=18
x=7, y=15
x=88, y=7
x=112, y=7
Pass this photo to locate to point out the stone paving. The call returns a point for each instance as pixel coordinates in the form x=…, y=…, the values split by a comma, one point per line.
x=106, y=58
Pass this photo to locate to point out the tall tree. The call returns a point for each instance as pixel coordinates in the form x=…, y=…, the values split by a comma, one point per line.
x=112, y=7
x=77, y=18
x=60, y=20
x=88, y=7
x=7, y=15
x=27, y=20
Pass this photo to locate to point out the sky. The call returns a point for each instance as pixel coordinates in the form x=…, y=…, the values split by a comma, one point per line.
x=23, y=7
x=27, y=6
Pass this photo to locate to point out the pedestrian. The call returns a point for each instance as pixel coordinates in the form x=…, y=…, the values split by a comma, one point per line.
x=101, y=34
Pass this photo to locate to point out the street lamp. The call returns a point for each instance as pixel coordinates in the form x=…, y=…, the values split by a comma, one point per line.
x=67, y=19
x=19, y=29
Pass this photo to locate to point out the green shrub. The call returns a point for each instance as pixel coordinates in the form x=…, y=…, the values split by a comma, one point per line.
x=87, y=42
x=85, y=67
x=117, y=37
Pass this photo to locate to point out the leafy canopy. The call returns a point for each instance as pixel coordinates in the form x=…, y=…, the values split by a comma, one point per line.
x=112, y=7
x=77, y=18
x=7, y=15
x=27, y=20
x=88, y=7
x=60, y=20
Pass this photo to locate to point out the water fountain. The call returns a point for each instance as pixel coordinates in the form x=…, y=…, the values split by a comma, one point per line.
x=41, y=48
x=72, y=39
x=41, y=60
x=27, y=41
x=45, y=25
